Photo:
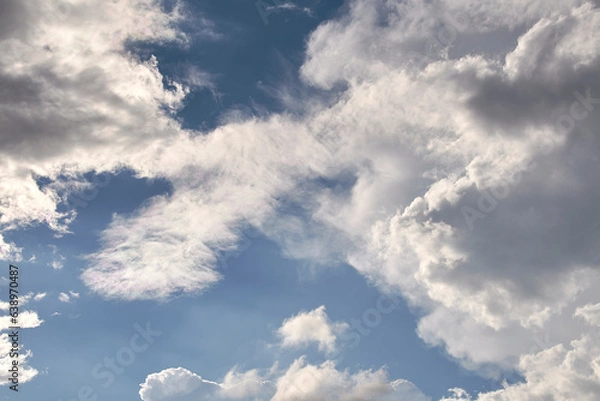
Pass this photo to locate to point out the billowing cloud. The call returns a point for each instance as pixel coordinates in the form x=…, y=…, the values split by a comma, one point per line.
x=561, y=372
x=176, y=384
x=301, y=381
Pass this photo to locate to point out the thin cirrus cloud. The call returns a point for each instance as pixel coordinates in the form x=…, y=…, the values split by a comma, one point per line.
x=474, y=177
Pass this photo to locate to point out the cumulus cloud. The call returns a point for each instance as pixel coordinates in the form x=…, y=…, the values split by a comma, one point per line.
x=493, y=275
x=301, y=381
x=493, y=249
x=176, y=384
x=561, y=373
x=311, y=327
x=70, y=85
x=26, y=320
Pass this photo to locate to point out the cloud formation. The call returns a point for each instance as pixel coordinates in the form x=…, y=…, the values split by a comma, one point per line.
x=301, y=381
x=311, y=327
x=468, y=177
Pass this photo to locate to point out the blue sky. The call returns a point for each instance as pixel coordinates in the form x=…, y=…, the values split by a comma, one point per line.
x=301, y=200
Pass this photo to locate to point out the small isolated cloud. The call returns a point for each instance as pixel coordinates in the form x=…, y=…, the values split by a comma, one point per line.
x=306, y=328
x=58, y=260
x=62, y=297
x=40, y=296
x=289, y=6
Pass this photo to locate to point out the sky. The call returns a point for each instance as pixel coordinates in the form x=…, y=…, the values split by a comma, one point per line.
x=310, y=200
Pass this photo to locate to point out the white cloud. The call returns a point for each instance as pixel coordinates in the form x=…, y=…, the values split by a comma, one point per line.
x=9, y=251
x=176, y=384
x=26, y=372
x=23, y=300
x=311, y=327
x=561, y=373
x=243, y=385
x=64, y=297
x=301, y=381
x=590, y=313
x=177, y=239
x=10, y=345
x=39, y=296
x=25, y=320
x=58, y=54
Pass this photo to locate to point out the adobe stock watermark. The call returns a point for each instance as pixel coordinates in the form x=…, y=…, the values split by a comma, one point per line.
x=81, y=198
x=105, y=371
x=541, y=342
x=439, y=41
x=367, y=322
x=490, y=198
x=225, y=250
x=360, y=327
